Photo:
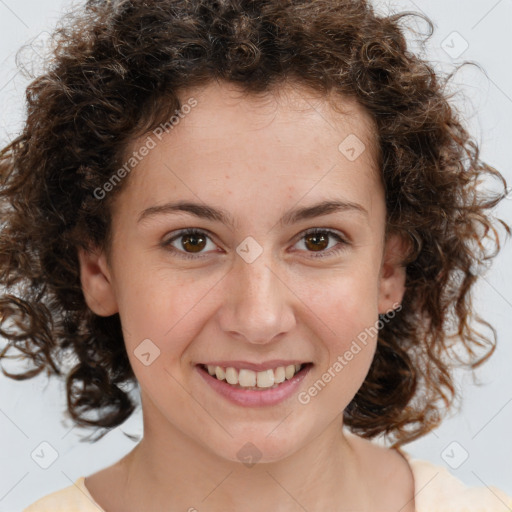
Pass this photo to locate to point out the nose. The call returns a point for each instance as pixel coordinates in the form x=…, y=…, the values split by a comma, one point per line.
x=258, y=304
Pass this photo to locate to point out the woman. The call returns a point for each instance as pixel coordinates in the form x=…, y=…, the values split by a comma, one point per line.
x=265, y=215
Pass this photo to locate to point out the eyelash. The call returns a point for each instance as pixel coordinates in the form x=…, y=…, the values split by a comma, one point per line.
x=313, y=231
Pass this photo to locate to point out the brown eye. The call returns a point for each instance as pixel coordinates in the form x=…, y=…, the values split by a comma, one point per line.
x=193, y=243
x=317, y=241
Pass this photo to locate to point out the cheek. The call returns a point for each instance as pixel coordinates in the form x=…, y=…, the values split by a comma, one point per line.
x=162, y=306
x=168, y=307
x=347, y=302
x=350, y=312
x=348, y=308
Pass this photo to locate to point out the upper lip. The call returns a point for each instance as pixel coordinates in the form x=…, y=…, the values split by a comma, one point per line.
x=256, y=367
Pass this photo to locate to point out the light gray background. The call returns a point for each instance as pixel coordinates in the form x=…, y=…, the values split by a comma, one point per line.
x=31, y=412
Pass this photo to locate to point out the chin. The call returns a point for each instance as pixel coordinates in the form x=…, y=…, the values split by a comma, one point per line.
x=259, y=449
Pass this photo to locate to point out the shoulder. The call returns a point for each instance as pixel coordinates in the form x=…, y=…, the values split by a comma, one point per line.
x=434, y=488
x=74, y=498
x=437, y=490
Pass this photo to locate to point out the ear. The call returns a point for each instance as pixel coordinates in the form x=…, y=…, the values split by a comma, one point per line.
x=96, y=282
x=392, y=273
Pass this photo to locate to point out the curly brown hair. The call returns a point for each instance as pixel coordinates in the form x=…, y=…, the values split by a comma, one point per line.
x=115, y=73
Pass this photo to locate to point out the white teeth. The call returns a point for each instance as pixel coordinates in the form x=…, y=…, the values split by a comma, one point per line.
x=289, y=371
x=219, y=372
x=279, y=375
x=231, y=376
x=246, y=378
x=265, y=379
x=249, y=379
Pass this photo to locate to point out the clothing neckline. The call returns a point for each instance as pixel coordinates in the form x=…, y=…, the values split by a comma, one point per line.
x=413, y=464
x=80, y=483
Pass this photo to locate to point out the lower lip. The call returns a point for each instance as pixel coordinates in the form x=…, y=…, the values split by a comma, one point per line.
x=252, y=398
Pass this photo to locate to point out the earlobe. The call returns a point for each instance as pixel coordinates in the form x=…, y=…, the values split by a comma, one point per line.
x=393, y=273
x=96, y=282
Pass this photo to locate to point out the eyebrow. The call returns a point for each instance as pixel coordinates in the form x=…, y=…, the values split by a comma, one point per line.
x=219, y=215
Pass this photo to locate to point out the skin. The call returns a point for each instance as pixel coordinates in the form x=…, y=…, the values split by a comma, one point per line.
x=257, y=158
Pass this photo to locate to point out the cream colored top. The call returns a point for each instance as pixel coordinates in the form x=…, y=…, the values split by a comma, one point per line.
x=436, y=490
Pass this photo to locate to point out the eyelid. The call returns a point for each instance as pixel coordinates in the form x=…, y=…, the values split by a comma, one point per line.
x=166, y=243
x=332, y=231
x=343, y=239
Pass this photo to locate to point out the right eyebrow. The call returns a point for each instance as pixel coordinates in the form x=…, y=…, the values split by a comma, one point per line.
x=219, y=215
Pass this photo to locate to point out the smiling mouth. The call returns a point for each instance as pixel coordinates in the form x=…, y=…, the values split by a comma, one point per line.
x=251, y=380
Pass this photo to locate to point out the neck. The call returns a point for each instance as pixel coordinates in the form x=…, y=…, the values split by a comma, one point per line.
x=168, y=470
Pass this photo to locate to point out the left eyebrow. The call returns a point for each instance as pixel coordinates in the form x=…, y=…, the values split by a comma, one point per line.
x=219, y=215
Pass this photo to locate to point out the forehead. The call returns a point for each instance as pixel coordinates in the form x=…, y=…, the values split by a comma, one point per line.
x=226, y=107
x=290, y=138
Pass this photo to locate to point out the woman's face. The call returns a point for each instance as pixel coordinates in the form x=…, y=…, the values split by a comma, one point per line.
x=251, y=287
